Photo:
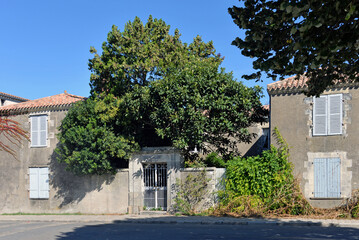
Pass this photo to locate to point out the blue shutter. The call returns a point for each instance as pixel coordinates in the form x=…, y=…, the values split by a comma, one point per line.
x=333, y=177
x=326, y=177
x=320, y=178
x=320, y=116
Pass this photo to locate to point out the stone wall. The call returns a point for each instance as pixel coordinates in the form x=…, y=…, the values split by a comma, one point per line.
x=292, y=114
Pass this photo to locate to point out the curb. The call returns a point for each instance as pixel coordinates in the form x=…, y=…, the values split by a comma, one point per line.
x=181, y=220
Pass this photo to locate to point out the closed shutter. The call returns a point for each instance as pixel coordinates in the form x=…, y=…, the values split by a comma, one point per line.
x=34, y=182
x=333, y=177
x=320, y=178
x=335, y=114
x=39, y=183
x=326, y=177
x=39, y=131
x=320, y=116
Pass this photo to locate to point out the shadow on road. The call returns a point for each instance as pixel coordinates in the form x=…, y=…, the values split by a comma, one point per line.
x=209, y=228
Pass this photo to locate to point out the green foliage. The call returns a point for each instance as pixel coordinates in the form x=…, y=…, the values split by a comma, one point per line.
x=199, y=106
x=268, y=177
x=140, y=54
x=316, y=38
x=214, y=160
x=88, y=142
x=150, y=89
x=259, y=175
x=191, y=192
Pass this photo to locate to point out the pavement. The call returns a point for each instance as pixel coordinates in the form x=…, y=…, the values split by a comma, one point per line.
x=171, y=219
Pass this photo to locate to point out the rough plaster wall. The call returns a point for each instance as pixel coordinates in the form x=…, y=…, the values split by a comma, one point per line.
x=215, y=177
x=68, y=193
x=292, y=114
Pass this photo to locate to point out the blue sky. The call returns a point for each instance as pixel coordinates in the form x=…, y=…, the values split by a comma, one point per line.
x=45, y=44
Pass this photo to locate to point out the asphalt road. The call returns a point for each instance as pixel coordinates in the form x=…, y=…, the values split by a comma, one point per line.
x=21, y=230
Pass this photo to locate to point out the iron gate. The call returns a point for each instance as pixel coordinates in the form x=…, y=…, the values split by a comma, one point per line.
x=155, y=181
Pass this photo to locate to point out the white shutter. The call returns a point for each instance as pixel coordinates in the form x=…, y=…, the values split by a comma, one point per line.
x=43, y=183
x=335, y=114
x=43, y=130
x=34, y=131
x=320, y=116
x=34, y=182
x=39, y=131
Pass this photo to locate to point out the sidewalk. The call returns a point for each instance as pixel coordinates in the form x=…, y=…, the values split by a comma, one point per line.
x=169, y=219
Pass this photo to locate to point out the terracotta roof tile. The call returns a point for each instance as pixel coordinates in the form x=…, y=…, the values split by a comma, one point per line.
x=288, y=83
x=13, y=97
x=63, y=99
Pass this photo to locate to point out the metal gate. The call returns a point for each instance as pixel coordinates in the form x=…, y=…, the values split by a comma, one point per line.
x=155, y=181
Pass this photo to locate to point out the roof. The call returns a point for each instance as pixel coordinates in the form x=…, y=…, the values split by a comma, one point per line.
x=13, y=97
x=288, y=84
x=56, y=101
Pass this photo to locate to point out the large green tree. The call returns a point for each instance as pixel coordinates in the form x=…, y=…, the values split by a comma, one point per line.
x=200, y=106
x=317, y=38
x=150, y=89
x=140, y=54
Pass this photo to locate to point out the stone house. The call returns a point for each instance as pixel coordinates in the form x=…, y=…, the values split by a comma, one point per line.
x=322, y=136
x=36, y=183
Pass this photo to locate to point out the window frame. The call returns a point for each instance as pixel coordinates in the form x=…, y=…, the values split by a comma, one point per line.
x=329, y=116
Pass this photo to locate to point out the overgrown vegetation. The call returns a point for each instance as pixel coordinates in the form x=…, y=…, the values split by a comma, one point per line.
x=149, y=89
x=262, y=184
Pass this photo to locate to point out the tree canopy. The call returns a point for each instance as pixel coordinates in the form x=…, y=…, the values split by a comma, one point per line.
x=317, y=38
x=150, y=89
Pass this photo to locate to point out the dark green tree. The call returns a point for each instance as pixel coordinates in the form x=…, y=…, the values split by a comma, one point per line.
x=89, y=142
x=150, y=89
x=199, y=106
x=140, y=54
x=317, y=38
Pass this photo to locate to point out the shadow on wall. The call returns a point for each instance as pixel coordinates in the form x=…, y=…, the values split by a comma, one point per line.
x=258, y=146
x=71, y=189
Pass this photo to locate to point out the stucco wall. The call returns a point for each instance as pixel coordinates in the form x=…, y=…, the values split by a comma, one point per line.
x=68, y=193
x=292, y=114
x=215, y=177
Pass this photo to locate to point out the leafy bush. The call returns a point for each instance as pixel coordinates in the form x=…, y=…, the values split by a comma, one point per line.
x=214, y=160
x=267, y=177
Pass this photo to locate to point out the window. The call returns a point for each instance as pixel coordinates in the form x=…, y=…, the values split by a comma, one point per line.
x=38, y=131
x=327, y=115
x=39, y=183
x=326, y=177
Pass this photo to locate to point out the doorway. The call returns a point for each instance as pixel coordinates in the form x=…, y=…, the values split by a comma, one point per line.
x=155, y=183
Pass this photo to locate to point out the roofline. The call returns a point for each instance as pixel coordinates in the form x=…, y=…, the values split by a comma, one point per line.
x=13, y=97
x=25, y=110
x=301, y=89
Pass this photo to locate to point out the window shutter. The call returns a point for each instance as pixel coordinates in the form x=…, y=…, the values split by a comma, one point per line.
x=34, y=131
x=34, y=182
x=335, y=114
x=320, y=116
x=43, y=130
x=333, y=177
x=43, y=183
x=39, y=131
x=320, y=178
